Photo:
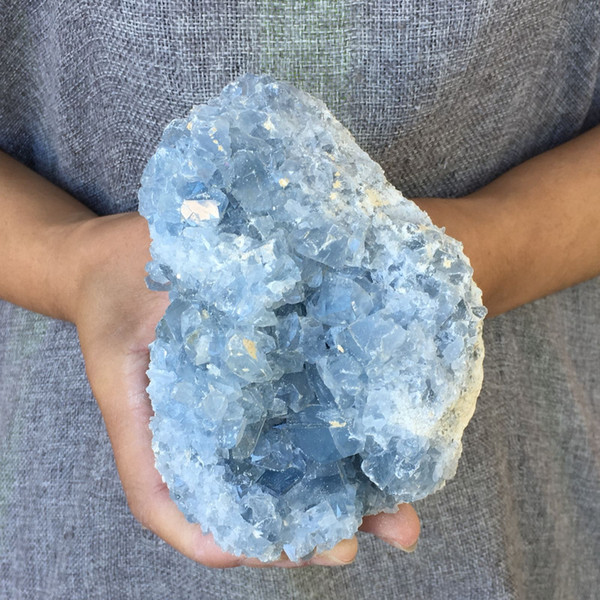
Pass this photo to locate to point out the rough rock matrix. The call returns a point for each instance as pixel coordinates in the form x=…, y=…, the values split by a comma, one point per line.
x=322, y=352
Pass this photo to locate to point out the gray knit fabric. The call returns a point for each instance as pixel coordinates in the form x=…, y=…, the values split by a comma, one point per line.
x=446, y=96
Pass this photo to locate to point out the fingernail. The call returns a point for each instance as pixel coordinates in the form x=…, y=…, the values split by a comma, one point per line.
x=409, y=549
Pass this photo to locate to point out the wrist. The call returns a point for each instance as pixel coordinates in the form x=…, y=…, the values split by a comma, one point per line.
x=471, y=222
x=66, y=253
x=47, y=281
x=107, y=248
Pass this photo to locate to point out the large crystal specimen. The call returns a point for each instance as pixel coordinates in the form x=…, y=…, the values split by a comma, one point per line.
x=322, y=352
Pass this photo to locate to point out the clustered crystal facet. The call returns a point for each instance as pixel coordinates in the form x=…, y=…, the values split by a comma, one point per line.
x=322, y=350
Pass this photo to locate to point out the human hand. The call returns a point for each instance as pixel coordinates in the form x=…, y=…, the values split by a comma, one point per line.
x=116, y=316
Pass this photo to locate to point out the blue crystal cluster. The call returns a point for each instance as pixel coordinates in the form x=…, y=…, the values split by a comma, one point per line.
x=322, y=351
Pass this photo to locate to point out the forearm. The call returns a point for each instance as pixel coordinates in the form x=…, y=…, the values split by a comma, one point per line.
x=535, y=229
x=39, y=269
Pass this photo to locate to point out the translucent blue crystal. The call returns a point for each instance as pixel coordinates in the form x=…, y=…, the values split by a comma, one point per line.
x=322, y=351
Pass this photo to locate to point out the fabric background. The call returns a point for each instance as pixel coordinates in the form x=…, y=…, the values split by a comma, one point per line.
x=446, y=96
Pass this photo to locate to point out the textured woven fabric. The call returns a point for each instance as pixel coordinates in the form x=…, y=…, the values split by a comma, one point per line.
x=446, y=96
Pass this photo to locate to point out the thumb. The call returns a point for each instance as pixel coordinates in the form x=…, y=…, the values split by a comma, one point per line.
x=400, y=529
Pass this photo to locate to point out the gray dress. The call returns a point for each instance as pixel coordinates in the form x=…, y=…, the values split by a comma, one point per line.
x=446, y=96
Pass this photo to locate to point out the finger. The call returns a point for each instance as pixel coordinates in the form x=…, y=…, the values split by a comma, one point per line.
x=341, y=554
x=400, y=529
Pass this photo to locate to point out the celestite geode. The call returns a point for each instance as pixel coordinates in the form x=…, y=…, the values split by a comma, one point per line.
x=322, y=352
